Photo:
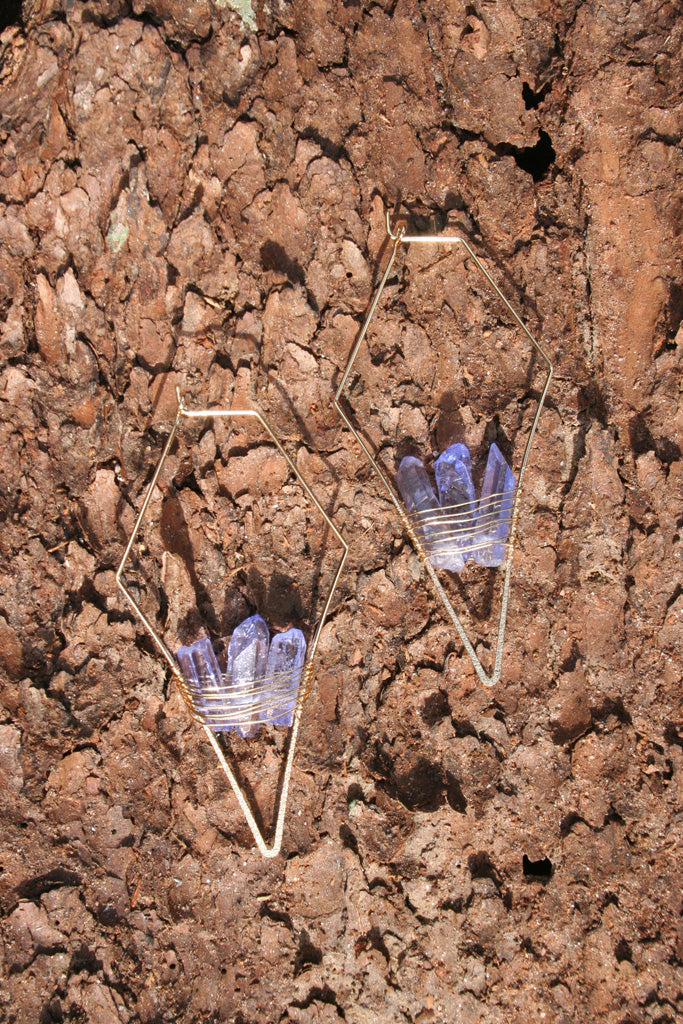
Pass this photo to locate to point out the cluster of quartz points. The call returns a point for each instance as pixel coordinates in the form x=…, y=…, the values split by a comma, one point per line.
x=260, y=683
x=455, y=526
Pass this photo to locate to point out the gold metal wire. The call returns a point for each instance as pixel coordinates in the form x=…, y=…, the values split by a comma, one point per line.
x=306, y=673
x=399, y=238
x=246, y=703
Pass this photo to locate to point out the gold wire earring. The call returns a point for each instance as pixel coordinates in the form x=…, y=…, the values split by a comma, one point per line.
x=448, y=530
x=263, y=682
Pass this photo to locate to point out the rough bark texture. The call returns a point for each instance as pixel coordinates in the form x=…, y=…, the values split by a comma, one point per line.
x=191, y=194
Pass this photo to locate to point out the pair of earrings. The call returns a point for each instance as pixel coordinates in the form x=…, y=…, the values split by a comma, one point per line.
x=267, y=682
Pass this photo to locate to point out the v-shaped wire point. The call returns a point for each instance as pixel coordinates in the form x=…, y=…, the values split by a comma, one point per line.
x=401, y=238
x=283, y=787
x=307, y=674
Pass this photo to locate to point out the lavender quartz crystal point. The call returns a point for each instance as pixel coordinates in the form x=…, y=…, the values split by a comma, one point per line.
x=202, y=674
x=495, y=509
x=199, y=663
x=415, y=487
x=453, y=472
x=283, y=676
x=422, y=505
x=247, y=660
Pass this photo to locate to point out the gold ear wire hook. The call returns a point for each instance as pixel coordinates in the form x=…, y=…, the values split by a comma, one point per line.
x=400, y=237
x=401, y=230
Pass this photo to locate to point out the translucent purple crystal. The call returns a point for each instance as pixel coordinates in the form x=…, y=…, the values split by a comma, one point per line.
x=453, y=526
x=422, y=505
x=247, y=660
x=453, y=472
x=202, y=674
x=495, y=509
x=283, y=675
x=259, y=685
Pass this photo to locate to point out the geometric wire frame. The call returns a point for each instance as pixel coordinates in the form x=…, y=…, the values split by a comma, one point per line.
x=307, y=672
x=401, y=238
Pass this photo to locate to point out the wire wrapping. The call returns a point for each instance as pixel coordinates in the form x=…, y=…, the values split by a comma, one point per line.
x=242, y=704
x=474, y=524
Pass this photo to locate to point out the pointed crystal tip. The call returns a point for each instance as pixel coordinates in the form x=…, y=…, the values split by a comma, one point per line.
x=422, y=506
x=283, y=675
x=494, y=513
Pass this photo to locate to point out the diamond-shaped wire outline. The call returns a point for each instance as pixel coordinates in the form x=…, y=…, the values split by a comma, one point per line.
x=307, y=673
x=400, y=237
